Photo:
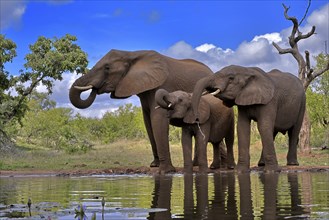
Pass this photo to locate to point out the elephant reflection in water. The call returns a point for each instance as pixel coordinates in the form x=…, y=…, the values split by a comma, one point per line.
x=296, y=209
x=202, y=209
x=271, y=210
x=222, y=201
x=162, y=197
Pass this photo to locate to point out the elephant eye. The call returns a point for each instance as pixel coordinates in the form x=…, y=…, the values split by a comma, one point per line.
x=231, y=78
x=107, y=67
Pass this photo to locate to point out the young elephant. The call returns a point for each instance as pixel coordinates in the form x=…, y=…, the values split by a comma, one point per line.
x=216, y=122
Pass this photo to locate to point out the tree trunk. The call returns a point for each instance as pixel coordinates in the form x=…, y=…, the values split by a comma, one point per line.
x=305, y=134
x=6, y=145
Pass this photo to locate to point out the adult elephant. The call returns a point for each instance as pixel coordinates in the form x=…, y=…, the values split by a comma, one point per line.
x=216, y=123
x=141, y=73
x=275, y=100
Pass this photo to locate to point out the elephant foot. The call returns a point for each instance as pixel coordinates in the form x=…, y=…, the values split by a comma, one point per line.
x=231, y=166
x=272, y=168
x=166, y=169
x=293, y=163
x=223, y=161
x=242, y=168
x=203, y=170
x=188, y=170
x=230, y=163
x=155, y=163
x=215, y=165
x=261, y=163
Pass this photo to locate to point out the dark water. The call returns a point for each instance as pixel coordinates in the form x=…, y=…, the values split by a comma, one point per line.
x=302, y=195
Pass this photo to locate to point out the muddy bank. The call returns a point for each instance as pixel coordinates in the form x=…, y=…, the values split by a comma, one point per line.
x=142, y=170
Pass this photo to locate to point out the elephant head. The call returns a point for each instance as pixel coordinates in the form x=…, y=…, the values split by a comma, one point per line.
x=178, y=104
x=121, y=73
x=236, y=85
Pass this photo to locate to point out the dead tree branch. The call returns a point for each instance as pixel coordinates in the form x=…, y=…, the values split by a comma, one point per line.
x=305, y=72
x=308, y=7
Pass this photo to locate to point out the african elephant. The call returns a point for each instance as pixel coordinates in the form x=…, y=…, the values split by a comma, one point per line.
x=216, y=122
x=141, y=73
x=275, y=100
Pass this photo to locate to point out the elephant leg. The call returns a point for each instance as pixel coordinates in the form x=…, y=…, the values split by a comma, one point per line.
x=265, y=129
x=195, y=157
x=243, y=129
x=148, y=125
x=229, y=141
x=293, y=134
x=223, y=154
x=160, y=128
x=261, y=161
x=201, y=140
x=216, y=161
x=187, y=150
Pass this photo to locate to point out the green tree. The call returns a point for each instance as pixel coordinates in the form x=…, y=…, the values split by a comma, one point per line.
x=124, y=123
x=318, y=104
x=47, y=61
x=32, y=122
x=50, y=127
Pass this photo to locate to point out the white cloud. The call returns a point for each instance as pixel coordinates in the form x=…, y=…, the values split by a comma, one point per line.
x=181, y=49
x=272, y=37
x=260, y=51
x=205, y=47
x=11, y=13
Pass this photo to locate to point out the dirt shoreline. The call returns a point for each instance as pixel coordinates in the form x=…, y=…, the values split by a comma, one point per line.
x=139, y=170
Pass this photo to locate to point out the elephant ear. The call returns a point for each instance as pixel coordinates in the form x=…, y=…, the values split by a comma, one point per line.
x=203, y=110
x=259, y=88
x=147, y=72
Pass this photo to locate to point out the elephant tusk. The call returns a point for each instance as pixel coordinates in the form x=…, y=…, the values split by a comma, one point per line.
x=216, y=92
x=169, y=105
x=204, y=93
x=156, y=107
x=84, y=88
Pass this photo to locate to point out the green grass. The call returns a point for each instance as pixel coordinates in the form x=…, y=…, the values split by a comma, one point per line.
x=128, y=153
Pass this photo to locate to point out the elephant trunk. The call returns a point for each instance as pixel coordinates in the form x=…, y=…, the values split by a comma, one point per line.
x=197, y=93
x=75, y=92
x=161, y=98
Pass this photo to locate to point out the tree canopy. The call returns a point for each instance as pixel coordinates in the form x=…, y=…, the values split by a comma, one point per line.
x=47, y=61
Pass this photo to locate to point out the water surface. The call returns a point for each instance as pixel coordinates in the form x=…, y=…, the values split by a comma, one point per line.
x=290, y=195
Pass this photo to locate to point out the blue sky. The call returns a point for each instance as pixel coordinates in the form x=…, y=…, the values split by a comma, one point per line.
x=217, y=33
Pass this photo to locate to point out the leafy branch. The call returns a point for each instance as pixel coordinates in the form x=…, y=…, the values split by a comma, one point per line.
x=47, y=61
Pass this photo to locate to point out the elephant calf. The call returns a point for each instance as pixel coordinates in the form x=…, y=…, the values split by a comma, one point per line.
x=216, y=122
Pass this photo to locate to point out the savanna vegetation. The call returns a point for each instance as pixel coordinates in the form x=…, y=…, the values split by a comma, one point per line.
x=35, y=133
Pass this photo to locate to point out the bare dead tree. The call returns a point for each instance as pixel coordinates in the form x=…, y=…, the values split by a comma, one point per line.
x=305, y=73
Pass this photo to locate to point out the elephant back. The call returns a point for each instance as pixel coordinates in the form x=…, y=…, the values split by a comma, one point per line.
x=217, y=108
x=184, y=74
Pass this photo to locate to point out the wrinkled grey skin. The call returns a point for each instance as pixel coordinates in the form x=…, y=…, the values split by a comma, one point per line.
x=216, y=122
x=141, y=73
x=275, y=100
